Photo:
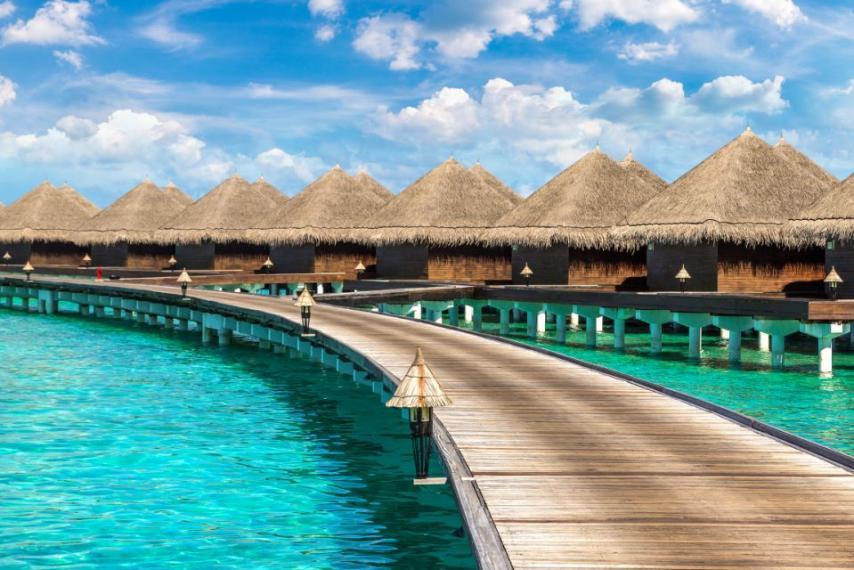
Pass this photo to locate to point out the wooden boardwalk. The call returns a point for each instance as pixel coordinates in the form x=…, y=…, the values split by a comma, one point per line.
x=580, y=469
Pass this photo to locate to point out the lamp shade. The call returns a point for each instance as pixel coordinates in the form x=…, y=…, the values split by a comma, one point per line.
x=419, y=388
x=305, y=299
x=526, y=271
x=28, y=267
x=683, y=274
x=360, y=266
x=184, y=278
x=268, y=263
x=833, y=277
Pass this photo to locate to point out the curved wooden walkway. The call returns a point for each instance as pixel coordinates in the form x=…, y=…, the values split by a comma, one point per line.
x=580, y=469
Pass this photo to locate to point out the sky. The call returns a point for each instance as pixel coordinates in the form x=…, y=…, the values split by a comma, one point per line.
x=102, y=94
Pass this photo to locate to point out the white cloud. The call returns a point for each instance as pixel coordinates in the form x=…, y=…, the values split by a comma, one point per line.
x=648, y=51
x=6, y=9
x=450, y=114
x=325, y=33
x=276, y=160
x=784, y=13
x=392, y=38
x=165, y=33
x=663, y=14
x=71, y=57
x=326, y=8
x=76, y=128
x=58, y=22
x=738, y=93
x=7, y=91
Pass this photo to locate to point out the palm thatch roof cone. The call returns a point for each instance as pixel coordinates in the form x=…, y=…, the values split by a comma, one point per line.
x=803, y=162
x=184, y=277
x=305, y=299
x=176, y=194
x=641, y=171
x=133, y=218
x=326, y=211
x=448, y=206
x=578, y=207
x=221, y=215
x=365, y=180
x=830, y=217
x=419, y=387
x=269, y=191
x=743, y=193
x=496, y=183
x=45, y=213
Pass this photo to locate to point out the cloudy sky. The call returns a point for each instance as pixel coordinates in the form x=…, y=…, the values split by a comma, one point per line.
x=103, y=93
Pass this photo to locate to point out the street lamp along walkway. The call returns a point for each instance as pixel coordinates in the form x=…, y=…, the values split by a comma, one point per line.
x=420, y=392
x=28, y=269
x=305, y=302
x=184, y=280
x=832, y=281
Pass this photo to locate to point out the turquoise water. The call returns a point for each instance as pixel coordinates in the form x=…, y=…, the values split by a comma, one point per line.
x=796, y=399
x=131, y=447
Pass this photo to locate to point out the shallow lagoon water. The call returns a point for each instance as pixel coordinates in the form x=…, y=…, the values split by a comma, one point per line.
x=128, y=446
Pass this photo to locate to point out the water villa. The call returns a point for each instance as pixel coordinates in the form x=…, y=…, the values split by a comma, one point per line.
x=723, y=220
x=313, y=231
x=39, y=225
x=562, y=231
x=123, y=234
x=830, y=221
x=209, y=233
x=432, y=229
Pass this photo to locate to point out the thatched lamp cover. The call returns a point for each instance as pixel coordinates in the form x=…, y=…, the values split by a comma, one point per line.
x=833, y=277
x=526, y=272
x=360, y=266
x=268, y=263
x=184, y=278
x=683, y=274
x=305, y=299
x=29, y=267
x=419, y=388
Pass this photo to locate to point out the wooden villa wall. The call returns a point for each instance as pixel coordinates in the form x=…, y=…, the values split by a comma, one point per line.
x=755, y=270
x=402, y=262
x=195, y=256
x=56, y=253
x=115, y=255
x=664, y=261
x=617, y=268
x=20, y=251
x=149, y=256
x=469, y=263
x=343, y=257
x=237, y=255
x=550, y=265
x=840, y=254
x=292, y=259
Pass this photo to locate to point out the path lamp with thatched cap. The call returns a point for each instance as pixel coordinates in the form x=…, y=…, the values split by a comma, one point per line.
x=360, y=269
x=267, y=266
x=683, y=276
x=526, y=274
x=305, y=302
x=184, y=281
x=7, y=257
x=832, y=281
x=86, y=261
x=28, y=269
x=172, y=262
x=420, y=392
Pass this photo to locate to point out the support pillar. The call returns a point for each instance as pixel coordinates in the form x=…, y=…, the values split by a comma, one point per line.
x=206, y=334
x=764, y=342
x=183, y=325
x=825, y=354
x=468, y=313
x=541, y=322
x=619, y=334
x=824, y=334
x=560, y=328
x=532, y=324
x=454, y=315
x=778, y=329
x=600, y=324
x=416, y=311
x=82, y=308
x=590, y=329
x=99, y=311
x=618, y=316
x=477, y=318
x=735, y=328
x=573, y=320
x=778, y=350
x=224, y=336
x=504, y=321
x=695, y=335
x=320, y=288
x=725, y=334
x=655, y=337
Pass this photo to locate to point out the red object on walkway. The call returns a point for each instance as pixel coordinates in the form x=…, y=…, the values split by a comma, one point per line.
x=99, y=274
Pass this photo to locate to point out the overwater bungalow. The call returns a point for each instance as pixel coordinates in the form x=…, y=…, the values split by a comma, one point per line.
x=210, y=232
x=830, y=221
x=123, y=234
x=562, y=231
x=313, y=231
x=39, y=225
x=723, y=221
x=432, y=229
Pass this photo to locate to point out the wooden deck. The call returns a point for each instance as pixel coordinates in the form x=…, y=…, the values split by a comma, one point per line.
x=580, y=469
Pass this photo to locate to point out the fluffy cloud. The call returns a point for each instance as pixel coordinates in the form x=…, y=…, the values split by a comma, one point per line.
x=784, y=13
x=738, y=93
x=274, y=161
x=58, y=22
x=649, y=51
x=6, y=9
x=326, y=8
x=449, y=115
x=663, y=14
x=71, y=57
x=325, y=32
x=455, y=29
x=7, y=91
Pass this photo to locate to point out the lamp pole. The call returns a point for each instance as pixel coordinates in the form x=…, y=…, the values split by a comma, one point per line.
x=526, y=274
x=305, y=302
x=184, y=281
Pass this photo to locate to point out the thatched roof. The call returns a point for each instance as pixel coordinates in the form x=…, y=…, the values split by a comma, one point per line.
x=638, y=169
x=578, y=207
x=177, y=194
x=743, y=193
x=450, y=205
x=367, y=181
x=45, y=213
x=133, y=218
x=419, y=388
x=804, y=163
x=269, y=191
x=221, y=215
x=832, y=216
x=326, y=211
x=496, y=183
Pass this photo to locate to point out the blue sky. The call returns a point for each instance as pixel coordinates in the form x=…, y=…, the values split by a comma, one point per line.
x=102, y=94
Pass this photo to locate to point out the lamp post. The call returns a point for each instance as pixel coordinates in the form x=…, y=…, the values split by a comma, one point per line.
x=28, y=269
x=305, y=302
x=184, y=281
x=526, y=274
x=420, y=392
x=360, y=269
x=86, y=261
x=833, y=280
x=7, y=257
x=683, y=276
x=267, y=265
x=172, y=262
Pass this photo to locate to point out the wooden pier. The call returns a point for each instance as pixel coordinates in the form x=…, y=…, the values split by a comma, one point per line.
x=578, y=468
